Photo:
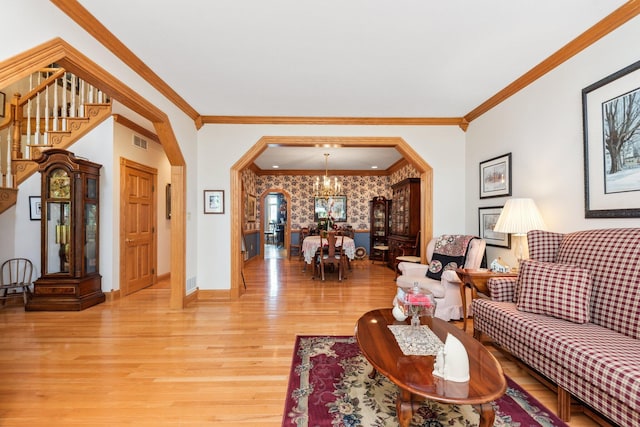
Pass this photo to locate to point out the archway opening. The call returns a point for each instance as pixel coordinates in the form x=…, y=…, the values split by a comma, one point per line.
x=236, y=208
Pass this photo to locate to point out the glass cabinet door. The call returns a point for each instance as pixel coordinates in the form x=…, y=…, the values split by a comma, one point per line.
x=58, y=237
x=90, y=243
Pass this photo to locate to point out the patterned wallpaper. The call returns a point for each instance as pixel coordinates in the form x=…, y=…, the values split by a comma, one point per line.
x=358, y=189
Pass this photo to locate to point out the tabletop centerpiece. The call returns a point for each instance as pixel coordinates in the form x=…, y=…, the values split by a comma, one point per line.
x=418, y=302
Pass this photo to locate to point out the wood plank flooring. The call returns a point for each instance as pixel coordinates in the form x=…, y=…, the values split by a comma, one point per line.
x=136, y=362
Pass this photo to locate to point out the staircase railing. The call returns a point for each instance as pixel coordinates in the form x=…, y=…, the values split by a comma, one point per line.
x=54, y=98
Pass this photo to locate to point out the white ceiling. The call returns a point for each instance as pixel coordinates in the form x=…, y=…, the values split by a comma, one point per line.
x=344, y=58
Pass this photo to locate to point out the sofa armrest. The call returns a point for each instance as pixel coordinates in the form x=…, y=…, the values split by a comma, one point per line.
x=412, y=269
x=502, y=289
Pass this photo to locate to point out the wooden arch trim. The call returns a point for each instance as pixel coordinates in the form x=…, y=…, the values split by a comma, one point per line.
x=59, y=51
x=236, y=208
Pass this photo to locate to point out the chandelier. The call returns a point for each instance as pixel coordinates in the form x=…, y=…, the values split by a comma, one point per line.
x=326, y=188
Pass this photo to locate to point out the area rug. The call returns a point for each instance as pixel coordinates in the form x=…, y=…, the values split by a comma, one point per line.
x=329, y=386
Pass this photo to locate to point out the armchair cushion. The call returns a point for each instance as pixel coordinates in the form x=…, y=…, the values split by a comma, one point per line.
x=449, y=253
x=557, y=290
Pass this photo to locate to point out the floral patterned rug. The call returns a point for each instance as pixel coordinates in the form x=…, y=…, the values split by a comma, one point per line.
x=329, y=386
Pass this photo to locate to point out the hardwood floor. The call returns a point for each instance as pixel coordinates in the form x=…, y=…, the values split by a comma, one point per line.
x=134, y=361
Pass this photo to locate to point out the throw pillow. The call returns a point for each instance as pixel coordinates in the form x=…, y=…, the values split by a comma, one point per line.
x=558, y=290
x=439, y=263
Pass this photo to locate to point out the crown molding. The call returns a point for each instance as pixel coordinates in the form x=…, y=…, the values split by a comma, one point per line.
x=89, y=23
x=312, y=120
x=608, y=24
x=95, y=28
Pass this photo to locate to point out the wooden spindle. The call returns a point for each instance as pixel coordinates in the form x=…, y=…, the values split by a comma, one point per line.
x=56, y=106
x=37, y=135
x=17, y=124
x=65, y=88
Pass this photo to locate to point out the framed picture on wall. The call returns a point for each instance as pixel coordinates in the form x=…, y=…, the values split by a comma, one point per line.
x=214, y=201
x=495, y=177
x=487, y=218
x=35, y=208
x=2, y=104
x=251, y=208
x=611, y=121
x=335, y=206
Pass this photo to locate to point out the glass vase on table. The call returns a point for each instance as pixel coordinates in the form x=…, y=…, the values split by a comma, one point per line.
x=417, y=303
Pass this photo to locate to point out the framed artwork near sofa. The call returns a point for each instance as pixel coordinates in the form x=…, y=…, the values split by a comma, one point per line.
x=495, y=177
x=611, y=122
x=487, y=218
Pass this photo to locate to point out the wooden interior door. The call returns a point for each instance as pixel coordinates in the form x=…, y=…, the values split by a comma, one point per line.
x=138, y=227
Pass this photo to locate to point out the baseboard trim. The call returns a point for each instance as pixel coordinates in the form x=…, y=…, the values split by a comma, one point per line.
x=213, y=294
x=113, y=295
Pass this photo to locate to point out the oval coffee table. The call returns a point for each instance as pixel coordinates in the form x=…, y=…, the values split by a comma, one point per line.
x=414, y=374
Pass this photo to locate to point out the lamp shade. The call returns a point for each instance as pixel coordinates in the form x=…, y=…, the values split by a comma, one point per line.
x=518, y=217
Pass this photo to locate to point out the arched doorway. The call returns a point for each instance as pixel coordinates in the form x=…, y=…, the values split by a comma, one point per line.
x=282, y=230
x=236, y=208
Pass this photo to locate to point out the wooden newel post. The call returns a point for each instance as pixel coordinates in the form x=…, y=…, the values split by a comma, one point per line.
x=16, y=150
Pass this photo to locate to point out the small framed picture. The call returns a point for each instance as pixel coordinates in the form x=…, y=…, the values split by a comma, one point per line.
x=214, y=201
x=3, y=99
x=487, y=218
x=35, y=208
x=495, y=177
x=252, y=209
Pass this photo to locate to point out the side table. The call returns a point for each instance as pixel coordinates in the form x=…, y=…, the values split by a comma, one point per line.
x=477, y=280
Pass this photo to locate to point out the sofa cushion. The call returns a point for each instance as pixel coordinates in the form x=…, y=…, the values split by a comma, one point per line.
x=557, y=290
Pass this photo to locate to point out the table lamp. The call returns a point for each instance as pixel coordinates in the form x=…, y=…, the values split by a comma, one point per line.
x=518, y=217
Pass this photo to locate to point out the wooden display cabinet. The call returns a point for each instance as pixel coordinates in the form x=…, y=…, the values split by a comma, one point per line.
x=405, y=216
x=69, y=234
x=379, y=229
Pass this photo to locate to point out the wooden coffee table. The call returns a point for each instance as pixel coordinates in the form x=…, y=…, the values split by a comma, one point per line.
x=414, y=374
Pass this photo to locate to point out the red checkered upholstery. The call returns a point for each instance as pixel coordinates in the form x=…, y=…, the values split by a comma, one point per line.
x=544, y=245
x=613, y=256
x=502, y=288
x=558, y=290
x=597, y=361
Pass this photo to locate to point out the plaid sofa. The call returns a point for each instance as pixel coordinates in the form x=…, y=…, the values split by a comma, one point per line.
x=573, y=315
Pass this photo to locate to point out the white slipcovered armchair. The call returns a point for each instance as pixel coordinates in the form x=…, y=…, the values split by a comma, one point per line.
x=447, y=290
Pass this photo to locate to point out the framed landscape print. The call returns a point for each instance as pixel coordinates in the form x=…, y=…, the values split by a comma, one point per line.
x=611, y=121
x=495, y=177
x=487, y=218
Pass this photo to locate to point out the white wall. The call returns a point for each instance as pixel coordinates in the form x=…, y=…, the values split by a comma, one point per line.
x=542, y=126
x=220, y=146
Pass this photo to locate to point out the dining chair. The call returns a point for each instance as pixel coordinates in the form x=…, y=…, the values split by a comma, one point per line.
x=16, y=275
x=304, y=232
x=407, y=253
x=269, y=233
x=331, y=254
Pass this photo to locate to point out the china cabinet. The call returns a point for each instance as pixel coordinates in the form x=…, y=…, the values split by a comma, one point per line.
x=70, y=277
x=379, y=230
x=405, y=216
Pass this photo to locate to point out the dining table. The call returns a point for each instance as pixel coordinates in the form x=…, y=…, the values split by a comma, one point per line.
x=310, y=245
